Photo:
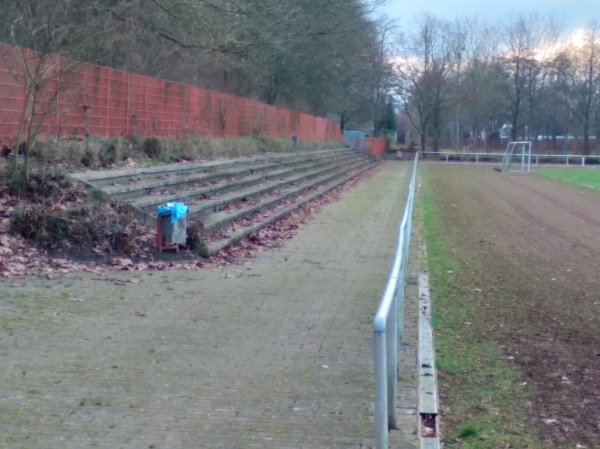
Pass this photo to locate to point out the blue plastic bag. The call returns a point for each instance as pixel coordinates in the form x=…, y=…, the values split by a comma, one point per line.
x=177, y=210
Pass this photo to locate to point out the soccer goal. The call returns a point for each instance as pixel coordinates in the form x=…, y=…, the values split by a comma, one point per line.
x=517, y=158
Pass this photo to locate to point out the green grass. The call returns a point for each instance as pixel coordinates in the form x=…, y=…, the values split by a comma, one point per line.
x=485, y=400
x=468, y=431
x=588, y=177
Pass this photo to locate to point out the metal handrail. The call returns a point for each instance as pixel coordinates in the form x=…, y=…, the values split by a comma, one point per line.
x=387, y=327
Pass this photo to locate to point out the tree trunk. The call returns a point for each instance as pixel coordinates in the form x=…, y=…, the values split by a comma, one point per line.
x=342, y=122
x=20, y=132
x=586, y=137
x=423, y=136
x=514, y=123
x=436, y=141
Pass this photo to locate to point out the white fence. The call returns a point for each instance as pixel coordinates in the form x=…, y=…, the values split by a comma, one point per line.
x=449, y=157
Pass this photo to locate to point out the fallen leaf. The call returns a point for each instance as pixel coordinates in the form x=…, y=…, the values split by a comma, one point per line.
x=4, y=239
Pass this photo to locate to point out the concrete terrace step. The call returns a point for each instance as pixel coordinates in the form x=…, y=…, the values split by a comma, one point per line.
x=235, y=182
x=222, y=194
x=244, y=188
x=221, y=219
x=238, y=232
x=138, y=186
x=101, y=178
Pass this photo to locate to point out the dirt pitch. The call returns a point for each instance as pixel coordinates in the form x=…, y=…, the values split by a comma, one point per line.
x=530, y=248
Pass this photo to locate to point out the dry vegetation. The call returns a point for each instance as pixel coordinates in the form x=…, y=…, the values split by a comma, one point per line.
x=78, y=153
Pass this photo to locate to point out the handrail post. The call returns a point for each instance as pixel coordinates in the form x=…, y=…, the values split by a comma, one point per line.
x=381, y=408
x=392, y=363
x=400, y=303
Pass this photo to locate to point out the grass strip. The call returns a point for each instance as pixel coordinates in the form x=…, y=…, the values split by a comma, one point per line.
x=485, y=402
x=587, y=177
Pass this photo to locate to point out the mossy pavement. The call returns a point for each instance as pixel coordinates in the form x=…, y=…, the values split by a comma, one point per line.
x=276, y=353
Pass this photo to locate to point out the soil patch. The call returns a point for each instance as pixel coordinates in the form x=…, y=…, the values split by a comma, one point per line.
x=529, y=250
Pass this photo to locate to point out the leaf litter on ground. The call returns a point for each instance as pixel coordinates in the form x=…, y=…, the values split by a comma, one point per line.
x=135, y=249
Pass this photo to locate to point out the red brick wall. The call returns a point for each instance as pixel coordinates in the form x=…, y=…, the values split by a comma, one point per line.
x=106, y=102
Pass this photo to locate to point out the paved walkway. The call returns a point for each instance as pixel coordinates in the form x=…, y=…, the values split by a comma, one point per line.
x=275, y=354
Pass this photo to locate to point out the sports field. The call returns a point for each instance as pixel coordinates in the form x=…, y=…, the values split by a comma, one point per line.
x=514, y=262
x=588, y=177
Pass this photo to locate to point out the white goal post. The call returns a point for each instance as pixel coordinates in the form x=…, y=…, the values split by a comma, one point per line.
x=517, y=158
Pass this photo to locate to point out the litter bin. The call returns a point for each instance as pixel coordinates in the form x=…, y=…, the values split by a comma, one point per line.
x=171, y=226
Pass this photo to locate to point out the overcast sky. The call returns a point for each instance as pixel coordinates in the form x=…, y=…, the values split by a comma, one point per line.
x=576, y=13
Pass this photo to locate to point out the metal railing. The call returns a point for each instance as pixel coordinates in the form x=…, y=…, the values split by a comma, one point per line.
x=387, y=328
x=495, y=158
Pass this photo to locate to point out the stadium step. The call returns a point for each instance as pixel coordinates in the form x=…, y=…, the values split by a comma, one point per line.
x=233, y=198
x=213, y=242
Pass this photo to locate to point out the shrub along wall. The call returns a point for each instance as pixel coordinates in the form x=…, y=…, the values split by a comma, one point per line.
x=95, y=100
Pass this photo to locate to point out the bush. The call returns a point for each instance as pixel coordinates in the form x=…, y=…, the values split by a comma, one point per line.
x=16, y=183
x=47, y=185
x=109, y=154
x=41, y=183
x=97, y=225
x=94, y=152
x=74, y=151
x=134, y=139
x=91, y=154
x=105, y=151
x=153, y=148
x=193, y=147
x=44, y=150
x=36, y=223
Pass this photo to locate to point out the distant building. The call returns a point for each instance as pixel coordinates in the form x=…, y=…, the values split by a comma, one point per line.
x=505, y=131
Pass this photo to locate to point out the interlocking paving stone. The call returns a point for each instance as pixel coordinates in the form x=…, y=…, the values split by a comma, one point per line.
x=274, y=354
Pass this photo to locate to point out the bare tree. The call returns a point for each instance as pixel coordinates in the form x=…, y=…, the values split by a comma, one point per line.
x=425, y=74
x=39, y=32
x=480, y=87
x=380, y=70
x=583, y=80
x=527, y=41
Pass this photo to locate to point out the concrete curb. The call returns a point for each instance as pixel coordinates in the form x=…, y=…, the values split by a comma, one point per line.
x=428, y=390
